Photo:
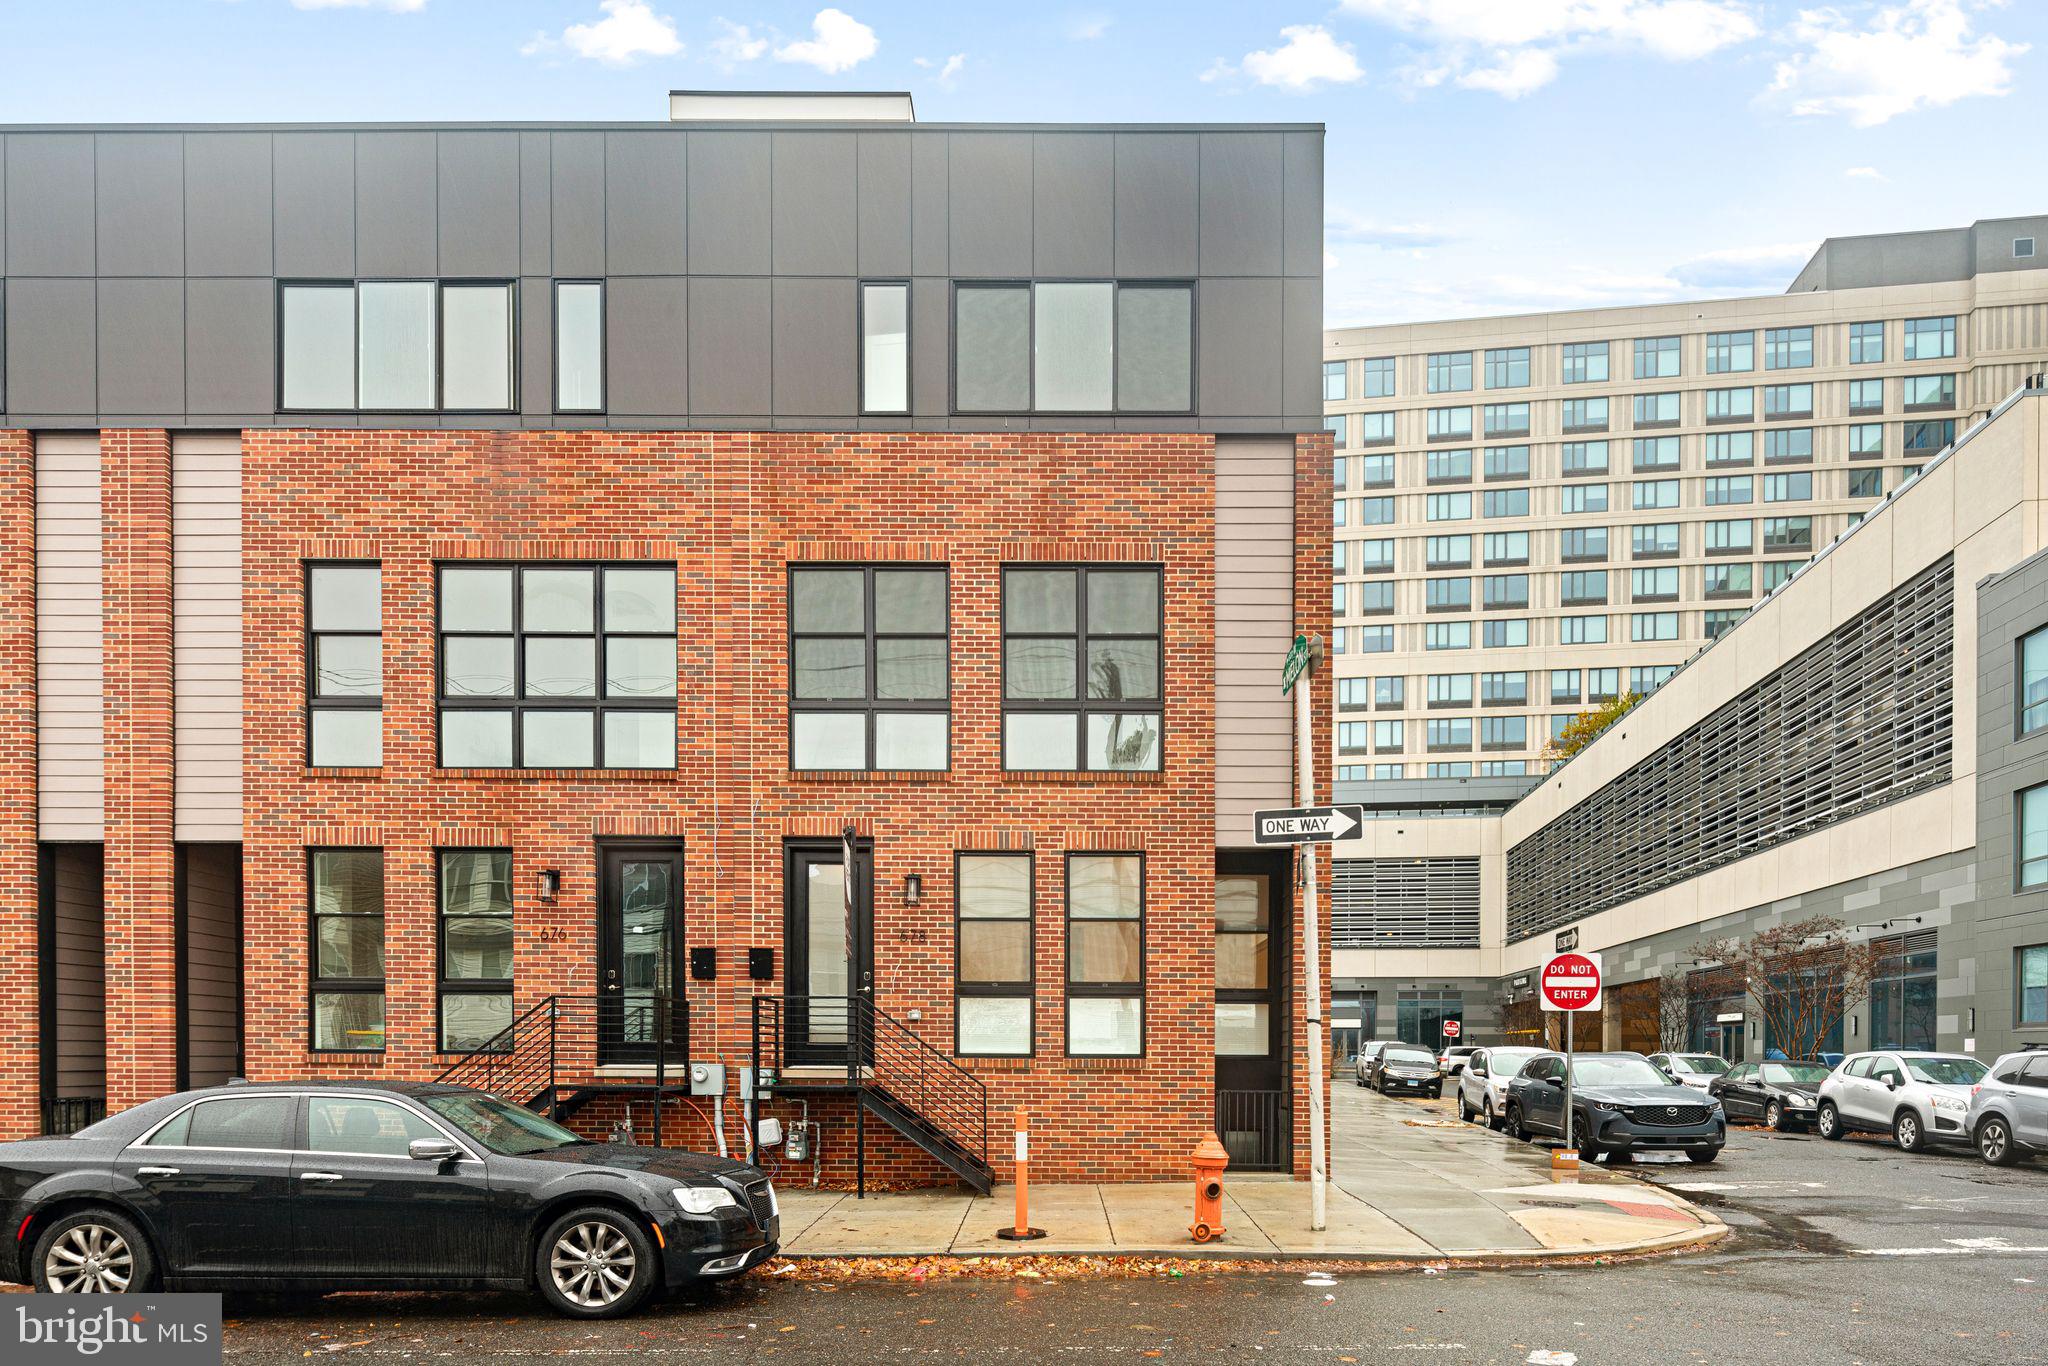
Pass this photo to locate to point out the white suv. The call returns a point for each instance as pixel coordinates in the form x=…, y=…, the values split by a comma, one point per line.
x=1696, y=1070
x=1483, y=1084
x=1920, y=1099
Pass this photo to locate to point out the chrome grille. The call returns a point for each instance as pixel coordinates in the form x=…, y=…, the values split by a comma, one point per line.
x=758, y=1201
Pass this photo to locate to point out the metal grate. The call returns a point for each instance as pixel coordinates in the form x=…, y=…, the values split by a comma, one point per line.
x=1256, y=1129
x=1859, y=718
x=759, y=1203
x=1668, y=1114
x=1425, y=903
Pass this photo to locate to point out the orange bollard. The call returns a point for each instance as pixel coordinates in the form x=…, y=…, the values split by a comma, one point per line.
x=1209, y=1160
x=1022, y=1231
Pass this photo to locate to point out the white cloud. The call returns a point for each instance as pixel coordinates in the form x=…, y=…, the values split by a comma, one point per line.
x=1865, y=173
x=1515, y=47
x=947, y=69
x=1763, y=269
x=1873, y=66
x=839, y=42
x=629, y=31
x=1086, y=28
x=1308, y=58
x=736, y=43
x=395, y=6
x=1344, y=225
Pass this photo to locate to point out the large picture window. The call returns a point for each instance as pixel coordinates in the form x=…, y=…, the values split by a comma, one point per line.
x=346, y=930
x=1105, y=955
x=993, y=975
x=396, y=346
x=475, y=947
x=344, y=665
x=1090, y=346
x=557, y=665
x=1081, y=667
x=868, y=668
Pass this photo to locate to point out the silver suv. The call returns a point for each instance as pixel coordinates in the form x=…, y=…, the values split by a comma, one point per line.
x=2008, y=1116
x=1920, y=1099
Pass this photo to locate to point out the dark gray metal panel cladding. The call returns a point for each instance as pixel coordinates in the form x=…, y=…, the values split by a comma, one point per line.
x=142, y=263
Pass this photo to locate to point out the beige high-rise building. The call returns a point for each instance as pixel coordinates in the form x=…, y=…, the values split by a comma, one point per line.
x=1536, y=513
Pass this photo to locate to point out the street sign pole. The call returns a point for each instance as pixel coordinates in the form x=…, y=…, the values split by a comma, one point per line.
x=1568, y=1080
x=1318, y=1194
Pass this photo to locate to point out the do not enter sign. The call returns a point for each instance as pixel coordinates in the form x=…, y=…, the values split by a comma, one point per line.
x=1451, y=1028
x=1571, y=981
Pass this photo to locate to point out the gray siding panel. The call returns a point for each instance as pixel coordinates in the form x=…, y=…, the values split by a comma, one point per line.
x=1301, y=205
x=1158, y=209
x=1241, y=326
x=930, y=361
x=140, y=203
x=1074, y=204
x=578, y=179
x=315, y=176
x=1301, y=355
x=988, y=180
x=1241, y=196
x=536, y=350
x=138, y=373
x=815, y=348
x=729, y=347
x=930, y=230
x=647, y=341
x=228, y=220
x=70, y=665
x=397, y=194
x=213, y=963
x=1255, y=575
x=50, y=347
x=815, y=220
x=229, y=327
x=50, y=204
x=480, y=206
x=730, y=185
x=883, y=224
x=645, y=192
x=536, y=204
x=206, y=636
x=78, y=957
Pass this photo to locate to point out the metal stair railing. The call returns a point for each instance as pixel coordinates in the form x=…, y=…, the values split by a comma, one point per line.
x=554, y=1046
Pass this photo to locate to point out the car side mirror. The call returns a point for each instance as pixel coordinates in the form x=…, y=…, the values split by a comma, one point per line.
x=1478, y=1070
x=432, y=1150
x=1890, y=1085
x=1554, y=1081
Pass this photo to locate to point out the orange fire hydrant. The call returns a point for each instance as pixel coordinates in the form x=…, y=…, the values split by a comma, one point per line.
x=1209, y=1160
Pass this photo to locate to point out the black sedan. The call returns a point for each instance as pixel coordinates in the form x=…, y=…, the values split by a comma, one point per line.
x=1621, y=1105
x=325, y=1186
x=1784, y=1095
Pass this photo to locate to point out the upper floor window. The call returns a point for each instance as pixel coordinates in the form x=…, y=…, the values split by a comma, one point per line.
x=2033, y=836
x=1925, y=392
x=1584, y=457
x=1930, y=338
x=1866, y=396
x=1730, y=405
x=1728, y=538
x=1656, y=357
x=1730, y=353
x=1730, y=448
x=1585, y=415
x=1507, y=462
x=1584, y=363
x=1788, y=400
x=395, y=346
x=1081, y=667
x=1576, y=498
x=1507, y=547
x=1073, y=347
x=1866, y=343
x=1788, y=446
x=1655, y=493
x=1448, y=467
x=1866, y=440
x=1656, y=410
x=1507, y=419
x=1450, y=424
x=579, y=346
x=2033, y=657
x=1378, y=376
x=1788, y=348
x=1577, y=545
x=1333, y=381
x=1654, y=453
x=345, y=665
x=1449, y=372
x=868, y=668
x=557, y=665
x=1375, y=429
x=885, y=347
x=1508, y=368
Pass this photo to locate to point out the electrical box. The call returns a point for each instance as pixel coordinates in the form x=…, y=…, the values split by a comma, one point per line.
x=747, y=1082
x=703, y=963
x=707, y=1078
x=761, y=965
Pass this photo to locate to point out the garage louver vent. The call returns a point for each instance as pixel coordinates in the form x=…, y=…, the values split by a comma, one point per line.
x=1404, y=903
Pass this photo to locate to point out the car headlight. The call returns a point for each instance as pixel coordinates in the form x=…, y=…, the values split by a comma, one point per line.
x=704, y=1199
x=1954, y=1105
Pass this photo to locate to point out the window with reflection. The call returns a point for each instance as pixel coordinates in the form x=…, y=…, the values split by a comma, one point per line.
x=344, y=665
x=1244, y=965
x=346, y=903
x=1105, y=955
x=1082, y=667
x=993, y=977
x=475, y=947
x=869, y=683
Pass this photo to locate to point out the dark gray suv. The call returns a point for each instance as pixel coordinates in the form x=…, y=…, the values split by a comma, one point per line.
x=1621, y=1105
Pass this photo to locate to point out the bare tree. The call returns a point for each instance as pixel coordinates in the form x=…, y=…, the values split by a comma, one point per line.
x=1804, y=978
x=1674, y=1008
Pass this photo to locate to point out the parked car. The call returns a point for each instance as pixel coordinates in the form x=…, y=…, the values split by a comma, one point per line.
x=1405, y=1068
x=1451, y=1061
x=1918, y=1098
x=1780, y=1094
x=1368, y=1053
x=1621, y=1105
x=329, y=1186
x=1696, y=1070
x=2008, y=1116
x=1483, y=1085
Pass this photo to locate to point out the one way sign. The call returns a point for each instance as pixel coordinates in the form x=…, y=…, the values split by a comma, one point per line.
x=1308, y=824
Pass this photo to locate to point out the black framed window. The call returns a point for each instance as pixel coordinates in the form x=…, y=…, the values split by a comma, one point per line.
x=2033, y=681
x=2032, y=833
x=345, y=927
x=2031, y=995
x=993, y=978
x=344, y=664
x=579, y=346
x=475, y=947
x=557, y=665
x=1082, y=667
x=885, y=346
x=1073, y=346
x=1244, y=964
x=868, y=678
x=1106, y=955
x=396, y=346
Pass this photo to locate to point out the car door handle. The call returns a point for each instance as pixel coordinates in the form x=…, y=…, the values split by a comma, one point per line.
x=321, y=1176
x=156, y=1171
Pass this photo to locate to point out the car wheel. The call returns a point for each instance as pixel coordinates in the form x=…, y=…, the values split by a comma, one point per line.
x=1359, y=1080
x=1493, y=1121
x=92, y=1251
x=1829, y=1121
x=1774, y=1116
x=595, y=1263
x=1702, y=1155
x=1907, y=1133
x=1517, y=1129
x=1994, y=1142
x=1465, y=1111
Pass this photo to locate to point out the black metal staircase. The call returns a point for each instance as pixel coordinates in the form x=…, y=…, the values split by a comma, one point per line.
x=846, y=1045
x=565, y=1051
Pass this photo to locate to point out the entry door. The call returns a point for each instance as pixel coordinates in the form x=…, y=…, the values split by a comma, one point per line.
x=829, y=966
x=639, y=947
x=1254, y=1110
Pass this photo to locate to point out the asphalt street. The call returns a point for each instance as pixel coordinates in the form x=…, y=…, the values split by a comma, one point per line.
x=1842, y=1252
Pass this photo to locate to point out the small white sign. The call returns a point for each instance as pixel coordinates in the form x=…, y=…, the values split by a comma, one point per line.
x=1023, y=1146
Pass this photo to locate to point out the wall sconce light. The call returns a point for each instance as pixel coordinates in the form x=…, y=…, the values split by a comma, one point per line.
x=913, y=888
x=550, y=883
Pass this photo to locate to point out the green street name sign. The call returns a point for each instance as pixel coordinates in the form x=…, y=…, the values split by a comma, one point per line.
x=1297, y=660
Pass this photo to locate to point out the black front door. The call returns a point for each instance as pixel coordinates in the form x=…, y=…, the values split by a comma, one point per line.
x=829, y=967
x=639, y=947
x=1254, y=1109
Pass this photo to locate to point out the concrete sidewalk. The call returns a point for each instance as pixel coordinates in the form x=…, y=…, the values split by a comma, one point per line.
x=1409, y=1181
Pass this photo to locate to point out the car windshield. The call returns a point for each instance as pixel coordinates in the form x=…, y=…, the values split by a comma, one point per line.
x=1701, y=1062
x=1616, y=1072
x=1795, y=1073
x=1946, y=1071
x=1508, y=1061
x=501, y=1127
x=1411, y=1055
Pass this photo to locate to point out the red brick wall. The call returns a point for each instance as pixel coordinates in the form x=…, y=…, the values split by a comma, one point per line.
x=20, y=1082
x=1313, y=492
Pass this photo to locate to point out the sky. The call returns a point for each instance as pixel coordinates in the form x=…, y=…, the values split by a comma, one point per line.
x=1482, y=156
